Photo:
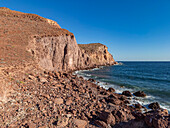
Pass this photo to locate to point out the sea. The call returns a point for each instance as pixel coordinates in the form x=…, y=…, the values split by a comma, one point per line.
x=151, y=77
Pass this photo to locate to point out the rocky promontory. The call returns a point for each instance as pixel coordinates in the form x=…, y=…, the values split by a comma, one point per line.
x=38, y=88
x=98, y=53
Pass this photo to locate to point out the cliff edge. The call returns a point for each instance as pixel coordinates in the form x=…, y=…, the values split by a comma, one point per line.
x=32, y=39
x=98, y=53
x=37, y=91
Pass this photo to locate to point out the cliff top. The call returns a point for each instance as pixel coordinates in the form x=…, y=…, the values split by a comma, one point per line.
x=92, y=47
x=17, y=29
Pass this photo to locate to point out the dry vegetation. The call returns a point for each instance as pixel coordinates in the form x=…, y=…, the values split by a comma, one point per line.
x=90, y=47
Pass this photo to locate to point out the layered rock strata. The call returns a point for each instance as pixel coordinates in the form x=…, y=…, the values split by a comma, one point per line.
x=98, y=53
x=29, y=38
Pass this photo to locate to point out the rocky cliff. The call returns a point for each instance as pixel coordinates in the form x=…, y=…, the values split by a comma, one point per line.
x=29, y=38
x=31, y=96
x=98, y=53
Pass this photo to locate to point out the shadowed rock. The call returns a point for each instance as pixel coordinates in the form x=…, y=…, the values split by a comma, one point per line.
x=139, y=94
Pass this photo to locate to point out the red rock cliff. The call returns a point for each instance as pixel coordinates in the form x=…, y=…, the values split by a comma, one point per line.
x=29, y=38
x=98, y=53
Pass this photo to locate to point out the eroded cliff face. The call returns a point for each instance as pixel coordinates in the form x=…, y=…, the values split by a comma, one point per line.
x=59, y=53
x=29, y=38
x=98, y=54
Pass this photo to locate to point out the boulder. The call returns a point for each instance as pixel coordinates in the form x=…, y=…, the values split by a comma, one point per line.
x=92, y=80
x=80, y=123
x=101, y=124
x=58, y=101
x=138, y=106
x=139, y=94
x=127, y=93
x=107, y=117
x=154, y=105
x=111, y=90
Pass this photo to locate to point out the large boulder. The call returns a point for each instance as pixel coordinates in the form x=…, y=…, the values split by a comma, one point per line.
x=127, y=93
x=157, y=119
x=139, y=94
x=154, y=105
x=107, y=117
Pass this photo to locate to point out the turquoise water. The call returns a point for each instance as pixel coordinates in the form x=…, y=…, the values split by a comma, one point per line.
x=151, y=77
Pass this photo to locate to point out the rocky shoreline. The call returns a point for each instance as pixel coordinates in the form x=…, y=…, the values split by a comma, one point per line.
x=38, y=89
x=59, y=99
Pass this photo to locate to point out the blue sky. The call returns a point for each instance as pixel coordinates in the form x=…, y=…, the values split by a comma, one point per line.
x=132, y=29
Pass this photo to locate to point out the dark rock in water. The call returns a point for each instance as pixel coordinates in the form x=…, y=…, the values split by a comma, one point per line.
x=139, y=94
x=111, y=90
x=154, y=105
x=92, y=80
x=107, y=117
x=126, y=93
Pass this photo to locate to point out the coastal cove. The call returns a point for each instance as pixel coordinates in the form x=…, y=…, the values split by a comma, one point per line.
x=41, y=83
x=150, y=77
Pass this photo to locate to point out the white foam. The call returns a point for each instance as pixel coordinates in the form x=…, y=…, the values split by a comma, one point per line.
x=144, y=101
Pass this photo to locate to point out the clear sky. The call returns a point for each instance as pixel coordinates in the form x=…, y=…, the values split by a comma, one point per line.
x=132, y=29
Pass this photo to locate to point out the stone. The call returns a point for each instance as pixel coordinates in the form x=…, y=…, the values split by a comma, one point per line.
x=80, y=123
x=101, y=124
x=58, y=101
x=154, y=105
x=107, y=117
x=91, y=80
x=43, y=80
x=127, y=93
x=31, y=77
x=138, y=106
x=157, y=118
x=114, y=101
x=62, y=122
x=139, y=94
x=111, y=90
x=68, y=102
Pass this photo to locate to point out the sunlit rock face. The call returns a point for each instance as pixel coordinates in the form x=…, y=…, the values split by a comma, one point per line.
x=98, y=53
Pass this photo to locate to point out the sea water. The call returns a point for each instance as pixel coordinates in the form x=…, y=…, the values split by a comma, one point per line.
x=151, y=77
